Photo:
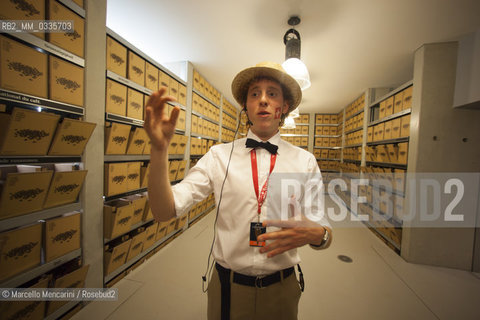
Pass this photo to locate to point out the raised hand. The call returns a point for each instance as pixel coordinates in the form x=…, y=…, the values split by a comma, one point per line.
x=158, y=125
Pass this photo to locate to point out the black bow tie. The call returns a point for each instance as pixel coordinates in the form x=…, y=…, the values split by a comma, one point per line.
x=266, y=145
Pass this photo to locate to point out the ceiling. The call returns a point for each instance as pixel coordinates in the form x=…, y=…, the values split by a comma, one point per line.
x=347, y=45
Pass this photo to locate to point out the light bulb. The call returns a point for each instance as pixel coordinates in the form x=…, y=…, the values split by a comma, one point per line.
x=297, y=69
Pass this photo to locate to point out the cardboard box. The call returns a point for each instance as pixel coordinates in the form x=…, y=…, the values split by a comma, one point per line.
x=399, y=180
x=138, y=202
x=181, y=222
x=398, y=102
x=147, y=212
x=173, y=146
x=318, y=130
x=396, y=127
x=181, y=170
x=116, y=57
x=151, y=77
x=392, y=153
x=304, y=141
x=173, y=169
x=181, y=120
x=387, y=134
x=370, y=134
x=134, y=104
x=74, y=279
x=116, y=98
x=136, y=142
x=382, y=154
x=20, y=250
x=318, y=118
x=64, y=188
x=150, y=236
x=148, y=146
x=172, y=223
x=116, y=257
x=326, y=118
x=382, y=109
x=173, y=88
x=164, y=80
x=402, y=153
x=71, y=137
x=22, y=69
x=116, y=137
x=72, y=41
x=66, y=82
x=29, y=309
x=136, y=68
x=378, y=132
x=161, y=230
x=182, y=94
x=405, y=126
x=27, y=10
x=204, y=146
x=133, y=175
x=389, y=107
x=407, y=98
x=62, y=235
x=136, y=247
x=117, y=218
x=115, y=178
x=22, y=192
x=26, y=132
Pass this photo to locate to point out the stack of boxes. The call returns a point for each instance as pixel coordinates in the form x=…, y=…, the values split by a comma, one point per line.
x=298, y=136
x=328, y=141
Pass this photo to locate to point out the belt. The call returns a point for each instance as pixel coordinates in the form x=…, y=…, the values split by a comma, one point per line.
x=253, y=281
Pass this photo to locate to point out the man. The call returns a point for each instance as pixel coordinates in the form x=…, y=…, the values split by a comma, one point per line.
x=254, y=276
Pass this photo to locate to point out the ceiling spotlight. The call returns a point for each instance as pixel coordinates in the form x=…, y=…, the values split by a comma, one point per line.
x=293, y=65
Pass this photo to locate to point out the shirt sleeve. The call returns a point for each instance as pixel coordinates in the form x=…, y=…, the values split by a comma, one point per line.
x=195, y=187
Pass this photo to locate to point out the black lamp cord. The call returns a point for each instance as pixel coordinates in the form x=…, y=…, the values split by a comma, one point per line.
x=210, y=264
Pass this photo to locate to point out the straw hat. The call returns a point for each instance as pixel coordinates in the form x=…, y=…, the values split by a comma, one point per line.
x=266, y=69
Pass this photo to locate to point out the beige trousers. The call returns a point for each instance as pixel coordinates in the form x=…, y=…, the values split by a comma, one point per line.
x=277, y=301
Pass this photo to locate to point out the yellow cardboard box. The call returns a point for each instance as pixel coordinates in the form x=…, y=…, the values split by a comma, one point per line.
x=20, y=250
x=134, y=104
x=181, y=120
x=136, y=68
x=405, y=126
x=136, y=142
x=173, y=169
x=173, y=88
x=26, y=132
x=182, y=94
x=34, y=310
x=71, y=41
x=164, y=80
x=62, y=235
x=382, y=109
x=116, y=98
x=74, y=279
x=22, y=192
x=396, y=126
x=407, y=98
x=66, y=82
x=387, y=134
x=28, y=10
x=136, y=247
x=133, y=175
x=116, y=257
x=22, y=69
x=181, y=222
x=116, y=57
x=181, y=170
x=71, y=137
x=116, y=137
x=138, y=202
x=150, y=236
x=389, y=107
x=117, y=218
x=398, y=102
x=115, y=178
x=65, y=187
x=172, y=223
x=151, y=77
x=144, y=172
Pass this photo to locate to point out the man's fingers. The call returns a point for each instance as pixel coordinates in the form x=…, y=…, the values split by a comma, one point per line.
x=174, y=115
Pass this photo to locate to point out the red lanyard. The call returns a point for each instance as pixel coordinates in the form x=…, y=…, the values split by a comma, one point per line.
x=263, y=194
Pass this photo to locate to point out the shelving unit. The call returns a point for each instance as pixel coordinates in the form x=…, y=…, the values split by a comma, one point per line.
x=298, y=136
x=37, y=96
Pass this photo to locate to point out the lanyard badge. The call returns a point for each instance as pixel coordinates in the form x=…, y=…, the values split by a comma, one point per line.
x=256, y=228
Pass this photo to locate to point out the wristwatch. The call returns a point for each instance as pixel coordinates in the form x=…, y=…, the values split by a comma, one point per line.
x=324, y=242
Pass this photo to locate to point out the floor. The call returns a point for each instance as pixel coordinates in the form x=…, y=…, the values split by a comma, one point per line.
x=377, y=284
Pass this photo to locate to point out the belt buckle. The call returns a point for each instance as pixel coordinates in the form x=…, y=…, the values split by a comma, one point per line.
x=258, y=282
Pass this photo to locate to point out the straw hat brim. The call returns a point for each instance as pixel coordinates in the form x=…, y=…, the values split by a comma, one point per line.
x=242, y=80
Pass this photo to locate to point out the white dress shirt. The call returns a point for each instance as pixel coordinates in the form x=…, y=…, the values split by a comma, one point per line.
x=238, y=203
